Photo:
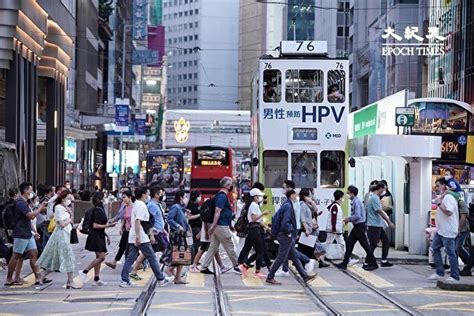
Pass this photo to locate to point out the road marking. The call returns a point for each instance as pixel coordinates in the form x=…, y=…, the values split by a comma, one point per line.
x=195, y=280
x=352, y=311
x=460, y=294
x=446, y=305
x=275, y=314
x=250, y=280
x=182, y=306
x=370, y=277
x=271, y=297
x=145, y=275
x=319, y=282
x=90, y=276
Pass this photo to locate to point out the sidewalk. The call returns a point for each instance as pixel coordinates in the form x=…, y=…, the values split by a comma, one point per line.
x=53, y=298
x=394, y=256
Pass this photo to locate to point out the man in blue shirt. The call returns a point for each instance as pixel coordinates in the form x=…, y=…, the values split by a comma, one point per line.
x=358, y=232
x=219, y=230
x=375, y=223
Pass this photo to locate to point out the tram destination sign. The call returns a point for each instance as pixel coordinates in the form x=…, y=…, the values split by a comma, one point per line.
x=404, y=116
x=303, y=47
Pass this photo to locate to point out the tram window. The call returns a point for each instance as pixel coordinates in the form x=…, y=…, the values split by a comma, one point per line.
x=336, y=86
x=304, y=169
x=275, y=164
x=272, y=86
x=304, y=86
x=439, y=117
x=332, y=169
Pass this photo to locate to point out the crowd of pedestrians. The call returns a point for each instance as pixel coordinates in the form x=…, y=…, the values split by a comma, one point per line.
x=40, y=227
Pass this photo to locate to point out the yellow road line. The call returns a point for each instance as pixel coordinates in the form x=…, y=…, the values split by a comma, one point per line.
x=319, y=282
x=252, y=281
x=275, y=314
x=195, y=280
x=444, y=305
x=352, y=311
x=370, y=277
x=90, y=276
x=145, y=275
x=271, y=297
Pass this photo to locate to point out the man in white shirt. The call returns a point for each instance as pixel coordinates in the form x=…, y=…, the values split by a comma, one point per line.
x=138, y=240
x=447, y=226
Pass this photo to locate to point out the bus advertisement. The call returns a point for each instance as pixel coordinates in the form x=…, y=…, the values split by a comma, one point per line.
x=165, y=169
x=209, y=165
x=299, y=126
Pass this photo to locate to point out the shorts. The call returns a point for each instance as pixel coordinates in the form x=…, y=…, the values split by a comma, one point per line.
x=21, y=245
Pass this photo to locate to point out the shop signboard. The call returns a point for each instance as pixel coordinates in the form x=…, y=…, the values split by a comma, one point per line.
x=377, y=118
x=140, y=126
x=140, y=19
x=453, y=147
x=122, y=112
x=70, y=150
x=144, y=56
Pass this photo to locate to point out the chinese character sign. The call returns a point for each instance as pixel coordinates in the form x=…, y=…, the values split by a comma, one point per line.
x=144, y=57
x=140, y=19
x=432, y=44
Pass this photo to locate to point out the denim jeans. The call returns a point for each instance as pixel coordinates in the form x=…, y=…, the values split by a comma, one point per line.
x=304, y=259
x=149, y=254
x=286, y=250
x=461, y=251
x=449, y=245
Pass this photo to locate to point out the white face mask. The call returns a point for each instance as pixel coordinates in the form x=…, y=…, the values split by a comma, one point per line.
x=68, y=186
x=67, y=202
x=384, y=192
x=198, y=200
x=31, y=195
x=147, y=198
x=185, y=201
x=448, y=177
x=36, y=204
x=297, y=199
x=260, y=199
x=283, y=190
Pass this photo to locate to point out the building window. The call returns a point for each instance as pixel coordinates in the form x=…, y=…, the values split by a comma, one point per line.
x=185, y=64
x=190, y=25
x=196, y=24
x=195, y=101
x=185, y=13
x=185, y=89
x=195, y=88
x=191, y=12
x=184, y=101
x=195, y=63
x=185, y=76
x=195, y=37
x=196, y=11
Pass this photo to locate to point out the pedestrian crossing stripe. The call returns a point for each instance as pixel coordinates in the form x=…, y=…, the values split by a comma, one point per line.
x=90, y=275
x=195, y=280
x=28, y=281
x=250, y=280
x=370, y=277
x=319, y=282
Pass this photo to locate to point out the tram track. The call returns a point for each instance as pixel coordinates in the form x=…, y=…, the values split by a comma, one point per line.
x=219, y=300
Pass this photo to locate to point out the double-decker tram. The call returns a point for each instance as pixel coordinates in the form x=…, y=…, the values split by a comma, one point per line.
x=165, y=168
x=299, y=123
x=209, y=164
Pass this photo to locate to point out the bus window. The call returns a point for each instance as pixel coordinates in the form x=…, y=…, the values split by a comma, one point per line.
x=304, y=86
x=275, y=164
x=332, y=169
x=272, y=86
x=304, y=169
x=336, y=86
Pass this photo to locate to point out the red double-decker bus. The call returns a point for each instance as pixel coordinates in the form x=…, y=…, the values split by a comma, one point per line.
x=208, y=166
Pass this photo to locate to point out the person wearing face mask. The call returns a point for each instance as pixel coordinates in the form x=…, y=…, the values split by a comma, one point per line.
x=178, y=221
x=254, y=234
x=23, y=238
x=67, y=185
x=334, y=227
x=58, y=254
x=453, y=185
x=284, y=228
x=195, y=219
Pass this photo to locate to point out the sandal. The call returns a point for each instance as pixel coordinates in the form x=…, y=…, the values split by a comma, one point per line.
x=13, y=283
x=72, y=287
x=180, y=282
x=111, y=265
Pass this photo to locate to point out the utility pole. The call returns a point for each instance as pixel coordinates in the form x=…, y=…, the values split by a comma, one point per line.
x=124, y=47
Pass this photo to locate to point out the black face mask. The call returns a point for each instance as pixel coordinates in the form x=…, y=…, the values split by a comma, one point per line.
x=231, y=188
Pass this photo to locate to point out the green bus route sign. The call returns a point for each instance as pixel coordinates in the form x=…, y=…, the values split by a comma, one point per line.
x=404, y=116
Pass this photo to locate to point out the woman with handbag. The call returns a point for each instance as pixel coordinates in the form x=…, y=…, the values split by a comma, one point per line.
x=178, y=221
x=58, y=254
x=334, y=229
x=125, y=214
x=96, y=239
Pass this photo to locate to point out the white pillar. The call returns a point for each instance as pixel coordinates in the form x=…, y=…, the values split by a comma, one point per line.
x=420, y=204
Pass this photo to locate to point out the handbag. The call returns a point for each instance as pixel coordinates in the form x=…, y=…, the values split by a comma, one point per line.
x=51, y=225
x=334, y=251
x=161, y=242
x=180, y=251
x=74, y=239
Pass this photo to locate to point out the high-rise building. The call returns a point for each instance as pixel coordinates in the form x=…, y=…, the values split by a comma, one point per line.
x=202, y=51
x=374, y=76
x=452, y=75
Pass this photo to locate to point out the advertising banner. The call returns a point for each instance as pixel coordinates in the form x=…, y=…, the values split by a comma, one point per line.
x=140, y=127
x=122, y=112
x=145, y=57
x=140, y=19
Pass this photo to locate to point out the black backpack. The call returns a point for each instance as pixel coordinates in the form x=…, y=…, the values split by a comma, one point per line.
x=9, y=218
x=148, y=225
x=208, y=208
x=470, y=217
x=87, y=222
x=241, y=226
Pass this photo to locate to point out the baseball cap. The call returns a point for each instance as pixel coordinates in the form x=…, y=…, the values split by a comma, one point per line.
x=256, y=192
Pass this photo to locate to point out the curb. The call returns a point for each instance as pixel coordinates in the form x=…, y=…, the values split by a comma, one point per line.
x=451, y=286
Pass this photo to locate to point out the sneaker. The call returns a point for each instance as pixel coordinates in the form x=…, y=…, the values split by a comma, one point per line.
x=435, y=277
x=323, y=264
x=386, y=264
x=83, y=276
x=225, y=269
x=135, y=276
x=236, y=270
x=281, y=273
x=124, y=284
x=370, y=267
x=465, y=273
x=451, y=279
x=244, y=269
x=341, y=266
x=100, y=283
x=310, y=278
x=309, y=267
x=207, y=271
x=353, y=262
x=193, y=269
x=273, y=282
x=261, y=275
x=166, y=281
